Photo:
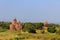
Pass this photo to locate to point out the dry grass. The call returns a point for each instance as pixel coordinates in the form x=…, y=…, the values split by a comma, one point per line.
x=27, y=36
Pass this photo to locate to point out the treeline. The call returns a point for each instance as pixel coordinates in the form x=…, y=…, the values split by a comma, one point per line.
x=31, y=27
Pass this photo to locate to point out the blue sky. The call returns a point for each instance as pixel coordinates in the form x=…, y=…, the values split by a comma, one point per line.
x=30, y=10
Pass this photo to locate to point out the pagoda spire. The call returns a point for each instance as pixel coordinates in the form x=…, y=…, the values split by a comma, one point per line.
x=15, y=19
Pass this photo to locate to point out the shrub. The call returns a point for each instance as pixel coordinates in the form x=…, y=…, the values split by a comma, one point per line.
x=4, y=25
x=51, y=30
x=31, y=30
x=39, y=25
x=27, y=26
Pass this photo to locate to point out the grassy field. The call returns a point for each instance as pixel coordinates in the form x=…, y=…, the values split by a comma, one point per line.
x=15, y=35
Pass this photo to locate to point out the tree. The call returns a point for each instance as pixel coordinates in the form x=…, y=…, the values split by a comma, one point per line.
x=51, y=29
x=39, y=25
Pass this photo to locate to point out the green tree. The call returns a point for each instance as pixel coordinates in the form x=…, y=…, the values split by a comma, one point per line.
x=51, y=29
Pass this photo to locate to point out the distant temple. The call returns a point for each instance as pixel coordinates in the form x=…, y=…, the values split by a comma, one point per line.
x=15, y=25
x=46, y=22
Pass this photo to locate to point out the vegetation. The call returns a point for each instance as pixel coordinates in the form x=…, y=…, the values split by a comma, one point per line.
x=51, y=30
x=31, y=31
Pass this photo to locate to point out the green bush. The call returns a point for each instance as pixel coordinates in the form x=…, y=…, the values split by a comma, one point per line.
x=51, y=30
x=27, y=26
x=31, y=30
x=4, y=25
x=39, y=25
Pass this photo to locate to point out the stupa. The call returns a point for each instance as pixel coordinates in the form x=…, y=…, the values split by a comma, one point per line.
x=46, y=22
x=15, y=25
